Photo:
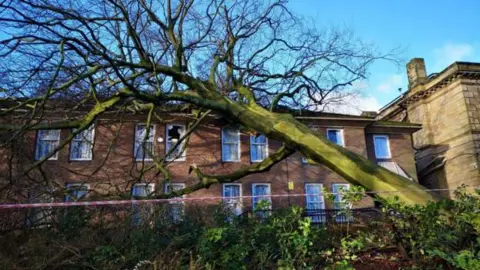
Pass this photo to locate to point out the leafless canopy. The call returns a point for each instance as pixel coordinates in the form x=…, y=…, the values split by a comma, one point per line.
x=142, y=54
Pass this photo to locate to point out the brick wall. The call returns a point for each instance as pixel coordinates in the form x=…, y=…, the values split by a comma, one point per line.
x=400, y=147
x=113, y=170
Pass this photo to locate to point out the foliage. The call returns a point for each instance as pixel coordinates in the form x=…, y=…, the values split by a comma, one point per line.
x=284, y=240
x=448, y=231
x=439, y=235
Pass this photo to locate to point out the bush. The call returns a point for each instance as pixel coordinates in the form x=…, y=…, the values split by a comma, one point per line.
x=443, y=234
x=283, y=240
x=447, y=232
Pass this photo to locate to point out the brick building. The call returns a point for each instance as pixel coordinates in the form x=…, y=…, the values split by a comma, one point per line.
x=447, y=104
x=106, y=160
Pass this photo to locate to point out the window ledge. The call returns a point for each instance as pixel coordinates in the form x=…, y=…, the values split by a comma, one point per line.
x=177, y=159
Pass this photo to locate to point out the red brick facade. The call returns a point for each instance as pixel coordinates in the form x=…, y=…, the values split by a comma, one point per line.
x=113, y=170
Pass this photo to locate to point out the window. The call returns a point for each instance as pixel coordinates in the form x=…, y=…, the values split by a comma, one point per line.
x=177, y=208
x=143, y=148
x=82, y=145
x=231, y=198
x=339, y=204
x=230, y=144
x=47, y=141
x=258, y=148
x=142, y=212
x=76, y=191
x=173, y=134
x=314, y=202
x=261, y=198
x=40, y=216
x=336, y=136
x=382, y=146
x=142, y=190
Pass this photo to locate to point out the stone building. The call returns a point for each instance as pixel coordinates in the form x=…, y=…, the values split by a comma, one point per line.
x=447, y=104
x=107, y=160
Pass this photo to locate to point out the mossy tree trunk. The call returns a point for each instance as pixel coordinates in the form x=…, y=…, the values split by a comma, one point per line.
x=353, y=167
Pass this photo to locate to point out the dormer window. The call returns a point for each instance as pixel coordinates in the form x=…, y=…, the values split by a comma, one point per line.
x=382, y=147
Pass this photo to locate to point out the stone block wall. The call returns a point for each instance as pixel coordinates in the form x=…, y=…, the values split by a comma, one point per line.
x=451, y=118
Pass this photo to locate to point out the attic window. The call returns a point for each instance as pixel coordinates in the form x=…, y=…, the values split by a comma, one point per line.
x=382, y=147
x=174, y=134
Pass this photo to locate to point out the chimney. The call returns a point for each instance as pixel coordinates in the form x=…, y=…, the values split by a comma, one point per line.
x=371, y=114
x=416, y=72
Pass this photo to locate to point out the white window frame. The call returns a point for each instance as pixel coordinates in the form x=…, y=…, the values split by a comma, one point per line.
x=253, y=143
x=140, y=211
x=229, y=200
x=239, y=155
x=151, y=185
x=321, y=218
x=336, y=190
x=40, y=217
x=388, y=147
x=183, y=156
x=338, y=200
x=54, y=156
x=342, y=138
x=269, y=197
x=182, y=202
x=167, y=185
x=92, y=127
x=70, y=185
x=147, y=157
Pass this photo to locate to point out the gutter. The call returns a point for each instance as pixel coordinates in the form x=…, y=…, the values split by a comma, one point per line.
x=334, y=118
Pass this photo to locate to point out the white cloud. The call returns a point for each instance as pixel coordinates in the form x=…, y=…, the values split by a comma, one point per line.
x=391, y=83
x=351, y=100
x=451, y=52
x=354, y=104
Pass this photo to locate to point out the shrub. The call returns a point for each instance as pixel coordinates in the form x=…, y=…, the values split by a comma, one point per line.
x=447, y=231
x=443, y=234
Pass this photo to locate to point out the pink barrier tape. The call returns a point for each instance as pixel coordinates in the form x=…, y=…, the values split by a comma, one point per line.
x=173, y=200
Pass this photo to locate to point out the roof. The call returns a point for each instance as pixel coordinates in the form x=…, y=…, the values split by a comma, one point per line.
x=365, y=119
x=301, y=113
x=179, y=108
x=382, y=123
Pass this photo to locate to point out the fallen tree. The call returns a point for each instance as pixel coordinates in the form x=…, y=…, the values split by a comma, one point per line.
x=239, y=59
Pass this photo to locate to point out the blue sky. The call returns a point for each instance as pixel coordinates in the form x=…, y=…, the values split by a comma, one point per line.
x=439, y=31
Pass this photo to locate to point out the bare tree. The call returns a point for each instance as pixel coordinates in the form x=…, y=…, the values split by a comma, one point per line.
x=239, y=59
